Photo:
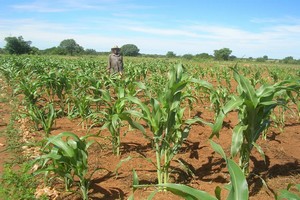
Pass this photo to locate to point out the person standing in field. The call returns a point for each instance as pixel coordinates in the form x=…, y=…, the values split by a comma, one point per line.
x=115, y=61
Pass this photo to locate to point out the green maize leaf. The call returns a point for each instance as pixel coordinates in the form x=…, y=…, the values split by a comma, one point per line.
x=237, y=139
x=94, y=99
x=88, y=144
x=203, y=83
x=52, y=155
x=68, y=134
x=218, y=192
x=259, y=149
x=121, y=92
x=56, y=140
x=261, y=128
x=151, y=196
x=72, y=143
x=115, y=122
x=60, y=172
x=106, y=125
x=268, y=103
x=106, y=96
x=180, y=113
x=268, y=109
x=141, y=85
x=120, y=164
x=291, y=96
x=133, y=113
x=217, y=125
x=187, y=192
x=132, y=123
x=186, y=132
x=84, y=156
x=188, y=96
x=144, y=108
x=239, y=188
x=178, y=87
x=248, y=89
x=285, y=194
x=156, y=104
x=197, y=120
x=175, y=105
x=131, y=197
x=67, y=150
x=265, y=91
x=135, y=178
x=217, y=148
x=232, y=104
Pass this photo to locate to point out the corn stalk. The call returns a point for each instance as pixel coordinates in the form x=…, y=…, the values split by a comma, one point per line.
x=164, y=116
x=254, y=108
x=67, y=159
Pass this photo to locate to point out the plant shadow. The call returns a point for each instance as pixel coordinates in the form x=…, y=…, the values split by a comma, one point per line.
x=99, y=193
x=262, y=171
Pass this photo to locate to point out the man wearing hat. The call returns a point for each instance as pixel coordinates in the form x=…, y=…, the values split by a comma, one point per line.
x=115, y=61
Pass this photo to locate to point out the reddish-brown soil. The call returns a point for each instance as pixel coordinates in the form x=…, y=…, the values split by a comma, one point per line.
x=280, y=168
x=4, y=120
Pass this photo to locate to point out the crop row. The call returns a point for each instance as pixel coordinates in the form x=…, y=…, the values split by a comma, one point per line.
x=155, y=92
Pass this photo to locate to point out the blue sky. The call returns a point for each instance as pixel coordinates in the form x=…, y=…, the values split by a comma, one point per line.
x=250, y=28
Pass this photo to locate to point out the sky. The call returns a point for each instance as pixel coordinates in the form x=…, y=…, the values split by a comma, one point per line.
x=250, y=28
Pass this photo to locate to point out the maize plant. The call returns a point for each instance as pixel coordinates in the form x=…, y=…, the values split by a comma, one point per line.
x=164, y=116
x=9, y=71
x=218, y=98
x=57, y=84
x=67, y=159
x=254, y=108
x=48, y=80
x=113, y=114
x=96, y=91
x=45, y=116
x=30, y=89
x=237, y=188
x=81, y=103
x=288, y=193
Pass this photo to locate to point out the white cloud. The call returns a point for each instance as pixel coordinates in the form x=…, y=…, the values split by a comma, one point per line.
x=163, y=32
x=276, y=41
x=73, y=5
x=282, y=20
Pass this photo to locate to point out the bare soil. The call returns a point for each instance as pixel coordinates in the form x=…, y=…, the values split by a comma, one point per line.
x=280, y=167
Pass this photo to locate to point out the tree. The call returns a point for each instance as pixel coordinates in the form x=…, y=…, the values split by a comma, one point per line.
x=188, y=56
x=260, y=59
x=222, y=54
x=16, y=45
x=90, y=52
x=289, y=60
x=203, y=56
x=34, y=50
x=170, y=54
x=69, y=46
x=129, y=50
x=232, y=57
x=265, y=57
x=54, y=51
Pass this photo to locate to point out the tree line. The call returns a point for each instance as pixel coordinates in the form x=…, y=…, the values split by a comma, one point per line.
x=17, y=45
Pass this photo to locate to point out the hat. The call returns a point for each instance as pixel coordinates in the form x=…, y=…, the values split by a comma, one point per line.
x=115, y=47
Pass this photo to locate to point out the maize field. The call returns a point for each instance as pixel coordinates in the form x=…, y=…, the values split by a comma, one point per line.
x=165, y=129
